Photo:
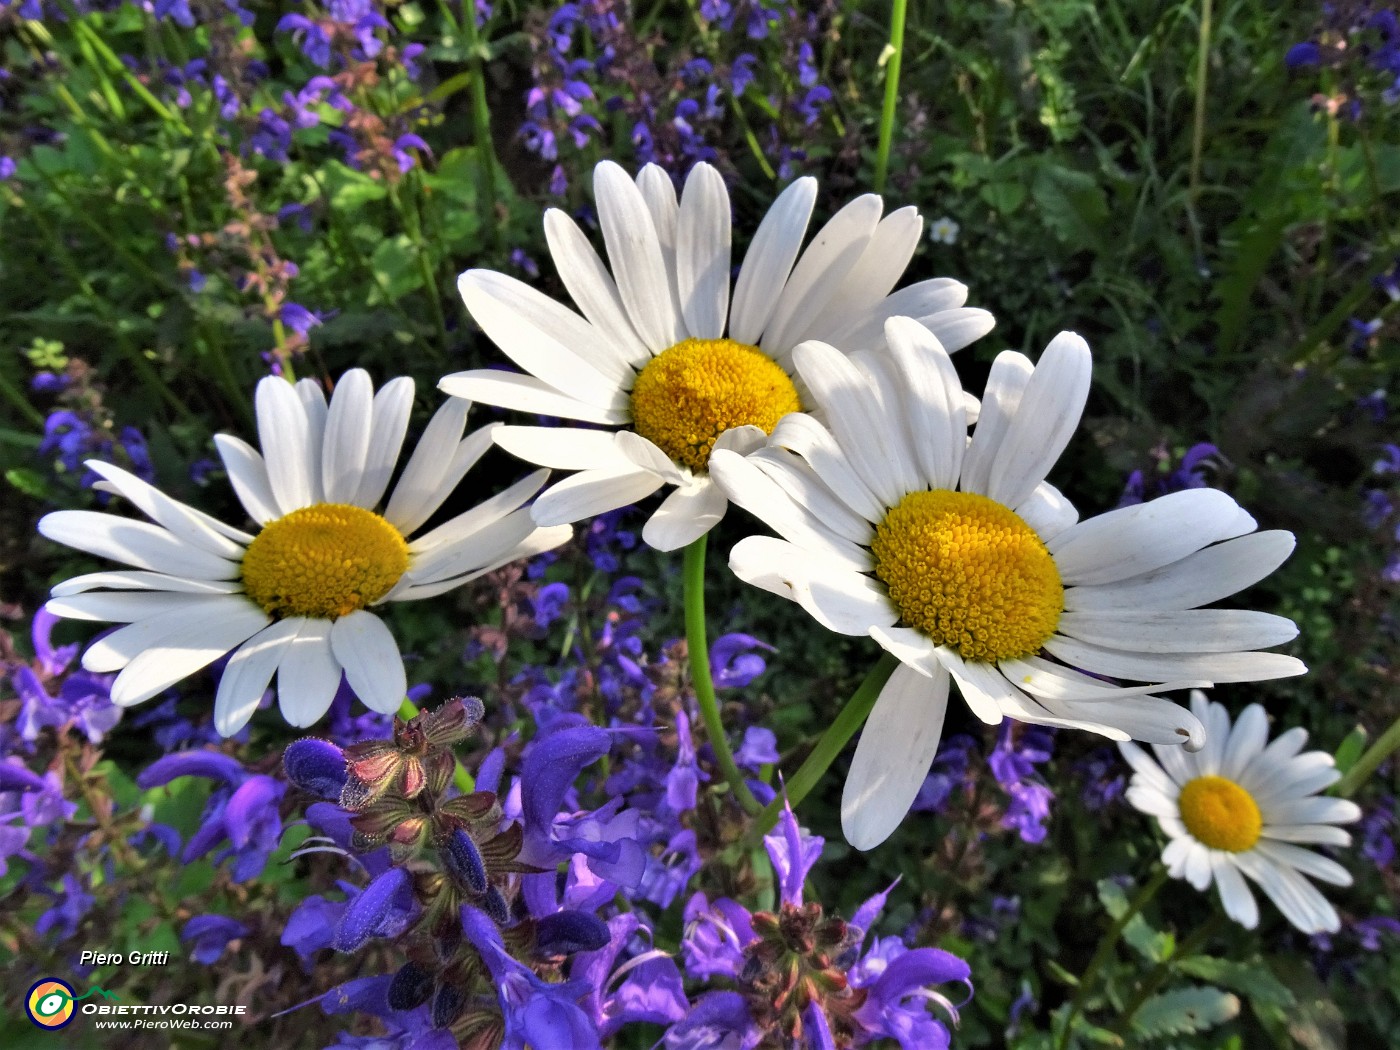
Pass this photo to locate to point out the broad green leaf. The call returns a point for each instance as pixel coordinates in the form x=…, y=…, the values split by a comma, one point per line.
x=396, y=271
x=1251, y=979
x=349, y=190
x=1349, y=750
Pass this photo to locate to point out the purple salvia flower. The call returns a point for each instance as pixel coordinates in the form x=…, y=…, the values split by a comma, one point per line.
x=208, y=936
x=381, y=909
x=793, y=855
x=733, y=661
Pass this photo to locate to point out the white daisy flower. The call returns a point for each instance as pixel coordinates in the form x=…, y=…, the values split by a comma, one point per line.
x=943, y=231
x=1237, y=808
x=960, y=560
x=666, y=356
x=294, y=599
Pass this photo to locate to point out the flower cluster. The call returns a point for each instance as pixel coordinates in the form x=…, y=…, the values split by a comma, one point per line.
x=1358, y=41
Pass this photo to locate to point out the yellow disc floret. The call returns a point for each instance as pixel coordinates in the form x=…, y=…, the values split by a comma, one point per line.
x=969, y=573
x=690, y=394
x=323, y=561
x=1220, y=814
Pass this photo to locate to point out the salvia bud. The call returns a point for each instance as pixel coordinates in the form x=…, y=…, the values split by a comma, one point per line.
x=566, y=932
x=494, y=904
x=447, y=1005
x=316, y=766
x=364, y=917
x=410, y=987
x=463, y=861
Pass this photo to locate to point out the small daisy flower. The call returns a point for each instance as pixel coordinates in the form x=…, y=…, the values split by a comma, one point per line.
x=1238, y=808
x=670, y=357
x=944, y=231
x=294, y=599
x=958, y=558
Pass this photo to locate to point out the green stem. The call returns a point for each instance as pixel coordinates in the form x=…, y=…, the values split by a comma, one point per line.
x=481, y=114
x=698, y=645
x=1106, y=945
x=896, y=53
x=833, y=741
x=1369, y=761
x=1159, y=973
x=1198, y=131
x=465, y=782
x=16, y=397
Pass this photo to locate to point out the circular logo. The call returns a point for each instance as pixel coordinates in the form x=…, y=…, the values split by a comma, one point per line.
x=49, y=1003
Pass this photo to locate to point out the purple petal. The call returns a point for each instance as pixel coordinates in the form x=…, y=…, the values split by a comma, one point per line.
x=212, y=764
x=366, y=914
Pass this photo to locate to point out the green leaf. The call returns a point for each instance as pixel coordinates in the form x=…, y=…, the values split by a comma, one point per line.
x=349, y=190
x=1071, y=204
x=1349, y=750
x=1004, y=197
x=458, y=176
x=1252, y=979
x=1142, y=938
x=1185, y=1011
x=396, y=272
x=28, y=481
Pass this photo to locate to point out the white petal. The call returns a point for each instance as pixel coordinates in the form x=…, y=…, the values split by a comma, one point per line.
x=524, y=393
x=853, y=414
x=429, y=465
x=370, y=656
x=134, y=543
x=821, y=270
x=814, y=443
x=1000, y=401
x=643, y=453
x=1197, y=579
x=748, y=486
x=769, y=260
x=487, y=545
x=685, y=515
x=1314, y=834
x=955, y=329
x=308, y=675
x=743, y=440
x=1299, y=901
x=804, y=488
x=313, y=403
x=893, y=756
x=1315, y=809
x=1045, y=420
x=536, y=542
x=889, y=399
x=388, y=425
x=912, y=647
x=983, y=686
x=563, y=448
x=1267, y=780
x=1198, y=865
x=1044, y=678
x=248, y=672
x=634, y=251
x=1159, y=667
x=922, y=302
x=487, y=512
x=247, y=473
x=702, y=253
x=660, y=195
x=123, y=606
x=1047, y=512
x=1134, y=540
x=1147, y=718
x=345, y=447
x=937, y=423
x=875, y=273
x=592, y=287
x=1246, y=743
x=193, y=526
x=1150, y=773
x=141, y=580
x=1193, y=630
x=838, y=598
x=1238, y=902
x=593, y=492
x=195, y=643
x=285, y=435
x=1151, y=801
x=1314, y=865
x=115, y=650
x=544, y=338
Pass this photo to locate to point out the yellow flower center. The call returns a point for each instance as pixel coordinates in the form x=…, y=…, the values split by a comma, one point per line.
x=1220, y=814
x=323, y=561
x=969, y=573
x=691, y=393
